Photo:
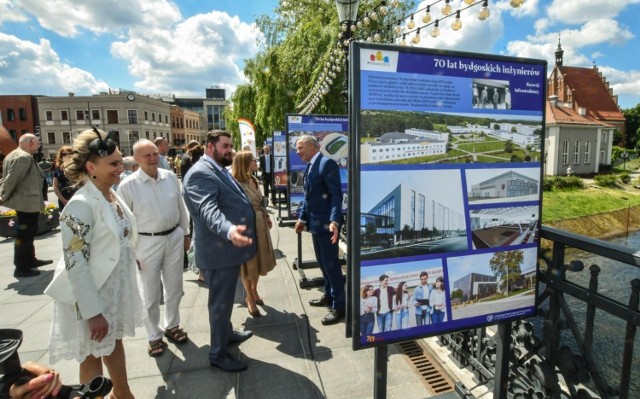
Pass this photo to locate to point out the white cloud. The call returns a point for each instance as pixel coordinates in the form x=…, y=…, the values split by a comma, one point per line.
x=35, y=68
x=624, y=83
x=195, y=53
x=9, y=13
x=578, y=12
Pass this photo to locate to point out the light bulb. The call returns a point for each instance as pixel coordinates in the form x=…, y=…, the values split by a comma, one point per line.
x=369, y=39
x=366, y=20
x=376, y=37
x=411, y=24
x=426, y=18
x=446, y=9
x=468, y=2
x=416, y=38
x=516, y=3
x=382, y=10
x=374, y=15
x=359, y=24
x=397, y=30
x=394, y=3
x=484, y=13
x=436, y=31
x=457, y=24
x=353, y=28
x=403, y=41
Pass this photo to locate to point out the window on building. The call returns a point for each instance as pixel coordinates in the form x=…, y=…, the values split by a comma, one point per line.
x=66, y=137
x=146, y=117
x=565, y=152
x=13, y=134
x=576, y=152
x=132, y=115
x=80, y=115
x=153, y=117
x=112, y=116
x=146, y=133
x=51, y=137
x=95, y=114
x=48, y=115
x=11, y=116
x=64, y=115
x=587, y=150
x=23, y=114
x=166, y=118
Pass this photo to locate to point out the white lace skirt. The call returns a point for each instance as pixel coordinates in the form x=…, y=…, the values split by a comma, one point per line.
x=70, y=337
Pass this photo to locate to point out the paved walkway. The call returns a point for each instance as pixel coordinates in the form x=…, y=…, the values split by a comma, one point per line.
x=292, y=355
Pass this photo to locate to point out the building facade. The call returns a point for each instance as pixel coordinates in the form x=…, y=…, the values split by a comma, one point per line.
x=19, y=115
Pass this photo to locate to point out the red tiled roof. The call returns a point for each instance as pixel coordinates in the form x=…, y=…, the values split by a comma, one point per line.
x=590, y=92
x=566, y=116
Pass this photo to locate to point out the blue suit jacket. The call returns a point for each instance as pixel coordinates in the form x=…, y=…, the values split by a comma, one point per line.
x=216, y=204
x=323, y=196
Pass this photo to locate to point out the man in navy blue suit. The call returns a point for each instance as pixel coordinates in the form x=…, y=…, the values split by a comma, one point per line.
x=224, y=229
x=321, y=213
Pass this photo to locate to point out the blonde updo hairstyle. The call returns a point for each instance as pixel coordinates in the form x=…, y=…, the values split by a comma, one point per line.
x=75, y=168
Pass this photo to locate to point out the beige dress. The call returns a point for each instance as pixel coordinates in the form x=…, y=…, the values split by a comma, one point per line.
x=265, y=259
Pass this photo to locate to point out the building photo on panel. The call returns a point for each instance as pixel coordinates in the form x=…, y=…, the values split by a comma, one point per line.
x=411, y=213
x=503, y=227
x=503, y=185
x=491, y=283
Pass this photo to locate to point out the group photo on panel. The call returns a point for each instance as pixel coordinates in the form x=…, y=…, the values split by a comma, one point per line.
x=132, y=225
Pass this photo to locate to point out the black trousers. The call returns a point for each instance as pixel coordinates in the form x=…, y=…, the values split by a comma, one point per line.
x=24, y=255
x=267, y=183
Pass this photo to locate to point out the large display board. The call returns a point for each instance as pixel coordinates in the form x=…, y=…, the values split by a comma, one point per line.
x=446, y=190
x=331, y=132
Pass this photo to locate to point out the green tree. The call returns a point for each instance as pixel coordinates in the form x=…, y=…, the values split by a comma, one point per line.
x=632, y=126
x=508, y=146
x=506, y=267
x=299, y=39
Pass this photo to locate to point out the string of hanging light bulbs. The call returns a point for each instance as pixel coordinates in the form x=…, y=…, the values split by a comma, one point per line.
x=334, y=57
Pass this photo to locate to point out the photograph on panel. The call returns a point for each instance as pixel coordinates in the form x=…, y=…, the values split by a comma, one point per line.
x=497, y=185
x=411, y=212
x=409, y=137
x=503, y=227
x=490, y=283
x=402, y=295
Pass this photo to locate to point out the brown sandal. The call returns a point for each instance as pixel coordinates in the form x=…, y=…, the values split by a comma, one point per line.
x=156, y=348
x=176, y=335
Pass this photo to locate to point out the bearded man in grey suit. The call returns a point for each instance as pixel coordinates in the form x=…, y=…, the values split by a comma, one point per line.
x=224, y=238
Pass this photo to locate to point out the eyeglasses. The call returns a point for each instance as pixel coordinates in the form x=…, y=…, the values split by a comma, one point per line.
x=100, y=147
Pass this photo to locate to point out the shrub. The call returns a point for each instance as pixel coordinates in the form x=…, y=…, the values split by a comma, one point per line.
x=562, y=183
x=625, y=178
x=606, y=180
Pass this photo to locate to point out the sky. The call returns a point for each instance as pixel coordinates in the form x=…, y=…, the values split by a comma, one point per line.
x=181, y=47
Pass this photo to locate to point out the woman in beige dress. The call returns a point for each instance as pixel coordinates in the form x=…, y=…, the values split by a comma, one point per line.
x=243, y=169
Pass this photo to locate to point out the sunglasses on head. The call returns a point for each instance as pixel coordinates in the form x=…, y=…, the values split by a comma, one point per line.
x=101, y=147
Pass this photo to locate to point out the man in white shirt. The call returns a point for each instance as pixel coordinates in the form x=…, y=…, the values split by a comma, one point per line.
x=153, y=194
x=421, y=296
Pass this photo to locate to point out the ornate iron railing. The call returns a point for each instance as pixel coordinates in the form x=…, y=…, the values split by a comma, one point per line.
x=553, y=355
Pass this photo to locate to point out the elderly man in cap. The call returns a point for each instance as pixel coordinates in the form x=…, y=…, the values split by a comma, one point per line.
x=153, y=195
x=22, y=190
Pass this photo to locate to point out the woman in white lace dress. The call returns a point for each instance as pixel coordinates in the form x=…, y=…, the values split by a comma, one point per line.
x=96, y=297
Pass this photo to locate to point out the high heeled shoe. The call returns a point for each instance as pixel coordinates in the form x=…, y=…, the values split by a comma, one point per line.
x=260, y=302
x=255, y=313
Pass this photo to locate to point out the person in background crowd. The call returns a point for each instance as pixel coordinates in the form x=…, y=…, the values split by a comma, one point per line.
x=153, y=195
x=21, y=190
x=62, y=187
x=193, y=148
x=437, y=301
x=96, y=299
x=401, y=306
x=368, y=309
x=224, y=226
x=321, y=212
x=267, y=165
x=130, y=166
x=385, y=295
x=46, y=167
x=163, y=149
x=244, y=165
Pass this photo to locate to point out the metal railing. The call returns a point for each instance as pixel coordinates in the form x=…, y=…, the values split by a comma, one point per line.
x=553, y=355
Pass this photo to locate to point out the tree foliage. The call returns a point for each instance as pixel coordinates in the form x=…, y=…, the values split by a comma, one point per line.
x=298, y=41
x=506, y=266
x=632, y=126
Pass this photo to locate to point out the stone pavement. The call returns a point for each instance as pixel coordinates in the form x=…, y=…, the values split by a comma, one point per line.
x=291, y=355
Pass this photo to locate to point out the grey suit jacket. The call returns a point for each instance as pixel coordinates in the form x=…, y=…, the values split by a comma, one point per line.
x=21, y=187
x=215, y=205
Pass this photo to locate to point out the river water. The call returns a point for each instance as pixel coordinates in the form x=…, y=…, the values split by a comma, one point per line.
x=614, y=282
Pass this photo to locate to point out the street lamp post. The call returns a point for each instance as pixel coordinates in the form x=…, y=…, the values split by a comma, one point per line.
x=347, y=14
x=624, y=155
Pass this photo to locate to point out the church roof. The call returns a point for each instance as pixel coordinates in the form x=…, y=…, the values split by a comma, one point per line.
x=566, y=116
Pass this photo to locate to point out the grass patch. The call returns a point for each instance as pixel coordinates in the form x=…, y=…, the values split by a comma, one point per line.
x=570, y=204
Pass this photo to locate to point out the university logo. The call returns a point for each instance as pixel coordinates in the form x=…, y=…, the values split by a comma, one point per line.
x=378, y=59
x=490, y=318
